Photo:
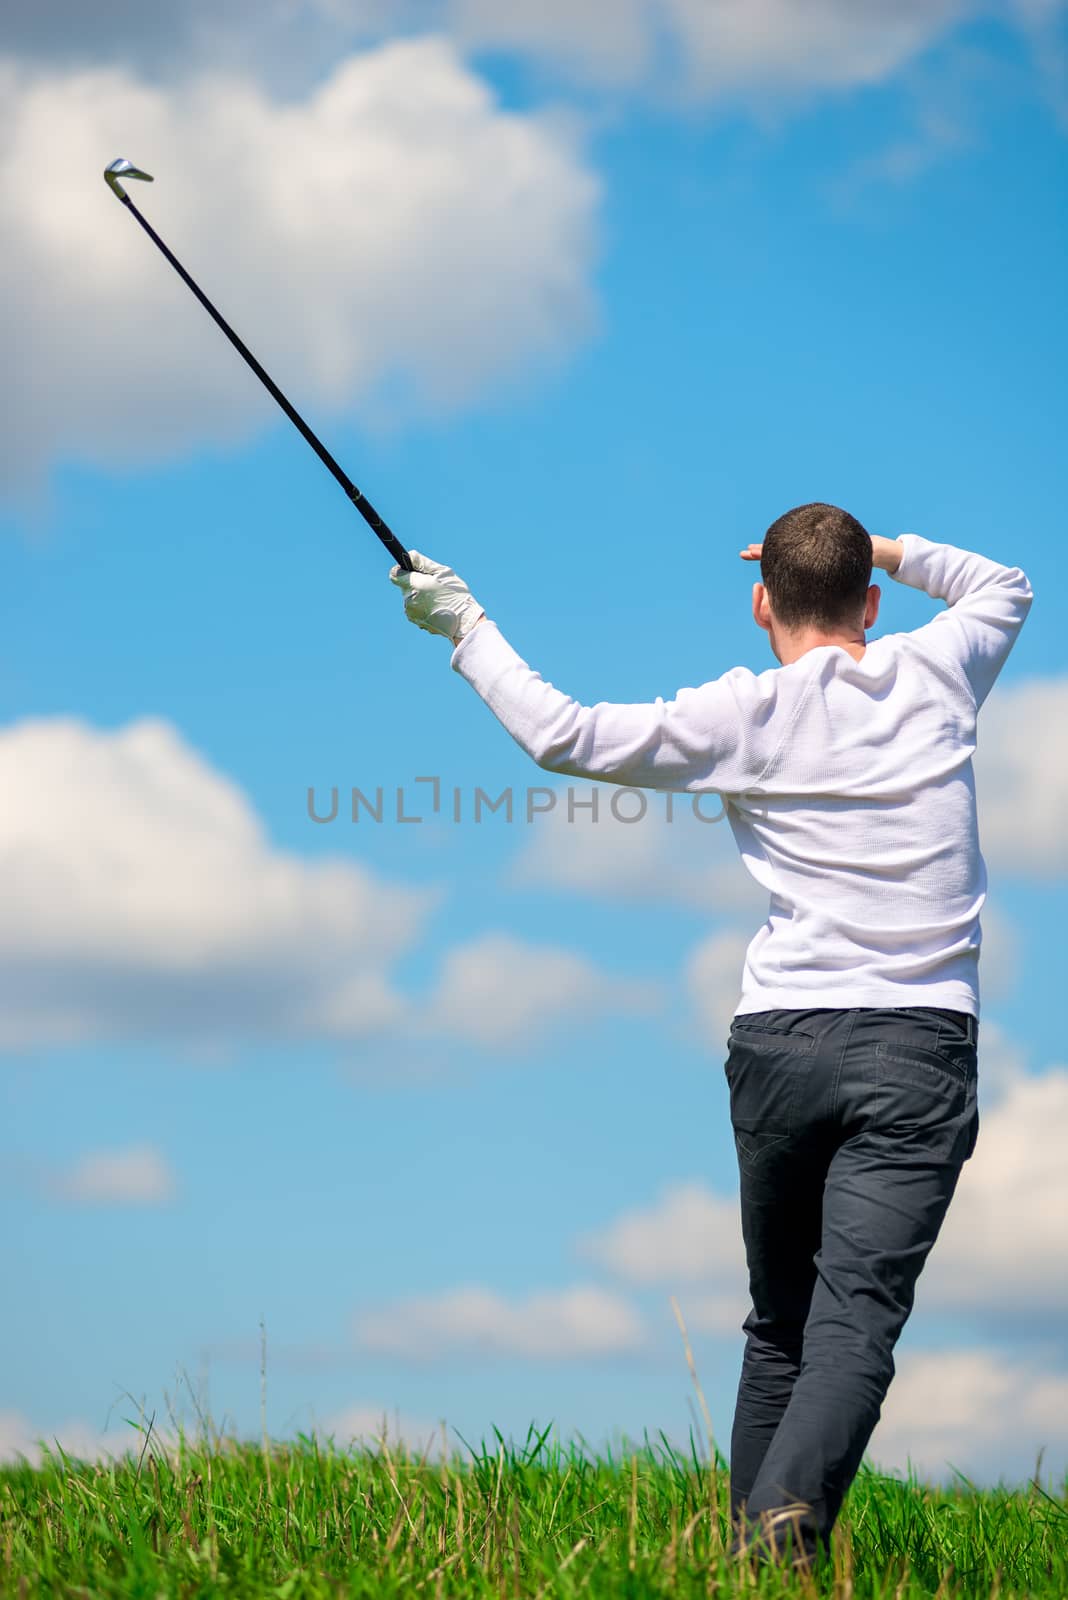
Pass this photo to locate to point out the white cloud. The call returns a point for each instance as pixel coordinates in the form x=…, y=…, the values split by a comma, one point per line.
x=394, y=241
x=729, y=45
x=155, y=36
x=1021, y=778
x=140, y=897
x=1035, y=12
x=139, y=1175
x=706, y=48
x=1001, y=1065
x=720, y=1313
x=769, y=53
x=1000, y=1254
x=387, y=237
x=365, y=1426
x=689, y=1235
x=501, y=991
x=554, y=1325
x=714, y=979
x=19, y=1438
x=996, y=1259
x=983, y=1411
x=942, y=115
x=1000, y=953
x=609, y=45
x=653, y=860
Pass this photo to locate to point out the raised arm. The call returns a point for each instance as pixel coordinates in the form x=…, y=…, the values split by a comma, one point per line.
x=885, y=553
x=705, y=738
x=708, y=738
x=987, y=605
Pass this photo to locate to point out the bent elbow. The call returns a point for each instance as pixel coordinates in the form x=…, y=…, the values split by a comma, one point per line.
x=552, y=747
x=1018, y=584
x=549, y=755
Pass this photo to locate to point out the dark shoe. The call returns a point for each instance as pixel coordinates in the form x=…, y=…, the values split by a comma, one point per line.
x=767, y=1541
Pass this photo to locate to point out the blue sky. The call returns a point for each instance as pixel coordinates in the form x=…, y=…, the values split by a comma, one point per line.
x=444, y=1102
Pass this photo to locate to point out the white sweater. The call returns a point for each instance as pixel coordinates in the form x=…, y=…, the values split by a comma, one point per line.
x=848, y=785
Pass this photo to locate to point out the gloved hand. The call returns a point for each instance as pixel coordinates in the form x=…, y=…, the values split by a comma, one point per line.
x=435, y=599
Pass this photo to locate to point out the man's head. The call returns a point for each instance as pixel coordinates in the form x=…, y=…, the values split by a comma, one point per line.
x=816, y=564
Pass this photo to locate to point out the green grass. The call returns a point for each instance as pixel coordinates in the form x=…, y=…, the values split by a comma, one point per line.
x=220, y=1517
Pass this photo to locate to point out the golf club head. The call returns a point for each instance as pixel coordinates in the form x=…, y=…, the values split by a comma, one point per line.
x=125, y=169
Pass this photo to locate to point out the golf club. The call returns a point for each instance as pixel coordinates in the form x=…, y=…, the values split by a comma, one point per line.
x=126, y=169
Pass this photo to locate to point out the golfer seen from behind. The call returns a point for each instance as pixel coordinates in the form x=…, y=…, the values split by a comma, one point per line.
x=846, y=775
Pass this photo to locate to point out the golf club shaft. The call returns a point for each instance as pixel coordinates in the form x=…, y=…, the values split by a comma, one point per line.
x=360, y=501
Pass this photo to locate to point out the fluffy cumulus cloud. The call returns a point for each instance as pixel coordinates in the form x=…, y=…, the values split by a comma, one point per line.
x=21, y=1440
x=706, y=48
x=498, y=991
x=69, y=30
x=346, y=185
x=635, y=850
x=580, y=1323
x=719, y=1312
x=140, y=896
x=1002, y=1064
x=1002, y=1242
x=763, y=51
x=714, y=980
x=689, y=1235
x=367, y=1427
x=1021, y=777
x=983, y=1411
x=732, y=45
x=581, y=38
x=995, y=1260
x=766, y=52
x=999, y=960
x=361, y=1425
x=136, y=1175
x=392, y=241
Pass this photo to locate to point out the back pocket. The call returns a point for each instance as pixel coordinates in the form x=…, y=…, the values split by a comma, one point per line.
x=774, y=1037
x=919, y=1061
x=918, y=1093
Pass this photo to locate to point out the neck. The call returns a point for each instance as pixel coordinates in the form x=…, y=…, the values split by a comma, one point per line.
x=791, y=647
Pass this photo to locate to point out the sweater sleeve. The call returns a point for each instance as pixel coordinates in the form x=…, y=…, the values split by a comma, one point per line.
x=703, y=739
x=987, y=606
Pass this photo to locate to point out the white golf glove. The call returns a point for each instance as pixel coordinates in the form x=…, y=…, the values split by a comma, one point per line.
x=435, y=599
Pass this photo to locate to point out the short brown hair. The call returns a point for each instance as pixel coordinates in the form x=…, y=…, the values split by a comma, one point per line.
x=816, y=566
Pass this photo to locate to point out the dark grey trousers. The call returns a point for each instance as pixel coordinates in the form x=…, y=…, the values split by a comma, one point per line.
x=851, y=1127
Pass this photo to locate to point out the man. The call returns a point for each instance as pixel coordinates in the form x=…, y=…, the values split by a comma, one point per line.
x=846, y=775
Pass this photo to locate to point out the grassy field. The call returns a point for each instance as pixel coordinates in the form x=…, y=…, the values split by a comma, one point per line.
x=223, y=1517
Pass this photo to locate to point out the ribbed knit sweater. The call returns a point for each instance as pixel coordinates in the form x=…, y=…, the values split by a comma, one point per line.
x=848, y=785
